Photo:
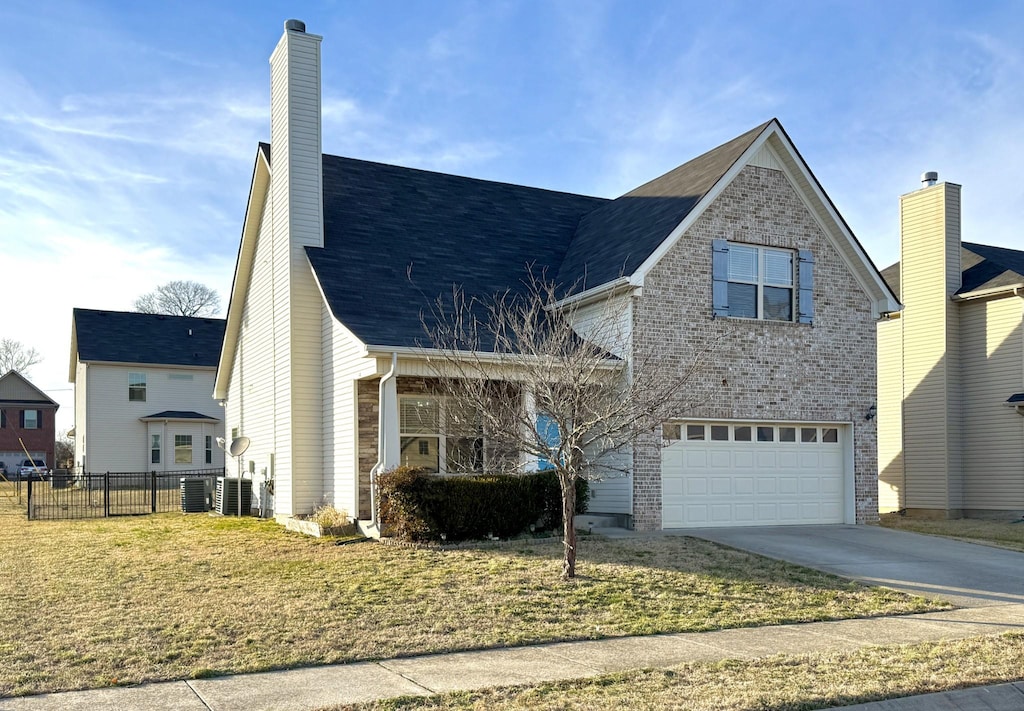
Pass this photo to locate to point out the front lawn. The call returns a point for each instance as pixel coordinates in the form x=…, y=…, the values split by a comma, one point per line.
x=780, y=683
x=124, y=600
x=1006, y=534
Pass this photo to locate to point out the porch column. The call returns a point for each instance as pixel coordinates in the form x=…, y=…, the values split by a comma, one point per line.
x=389, y=438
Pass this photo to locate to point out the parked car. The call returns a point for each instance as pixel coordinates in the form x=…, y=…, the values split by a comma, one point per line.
x=34, y=469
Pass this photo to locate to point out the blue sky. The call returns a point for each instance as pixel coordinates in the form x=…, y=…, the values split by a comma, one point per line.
x=128, y=130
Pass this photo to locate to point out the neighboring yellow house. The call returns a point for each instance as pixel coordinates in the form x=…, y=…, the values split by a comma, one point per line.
x=951, y=368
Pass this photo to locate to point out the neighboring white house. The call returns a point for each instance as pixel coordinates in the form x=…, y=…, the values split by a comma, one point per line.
x=738, y=249
x=142, y=392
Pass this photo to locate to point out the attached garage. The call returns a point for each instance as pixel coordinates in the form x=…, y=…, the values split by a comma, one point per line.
x=756, y=474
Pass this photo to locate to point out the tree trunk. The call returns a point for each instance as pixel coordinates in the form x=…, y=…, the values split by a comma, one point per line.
x=568, y=484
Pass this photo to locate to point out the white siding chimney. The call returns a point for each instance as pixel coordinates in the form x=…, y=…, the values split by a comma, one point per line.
x=296, y=214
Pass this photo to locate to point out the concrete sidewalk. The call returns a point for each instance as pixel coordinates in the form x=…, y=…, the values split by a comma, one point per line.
x=310, y=688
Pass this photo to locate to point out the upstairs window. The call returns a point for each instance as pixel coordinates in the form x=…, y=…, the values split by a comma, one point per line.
x=31, y=419
x=136, y=387
x=762, y=283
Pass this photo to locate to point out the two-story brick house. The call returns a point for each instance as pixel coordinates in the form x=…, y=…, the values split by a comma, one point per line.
x=739, y=250
x=27, y=422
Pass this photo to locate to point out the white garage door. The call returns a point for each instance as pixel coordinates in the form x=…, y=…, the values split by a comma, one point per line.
x=752, y=474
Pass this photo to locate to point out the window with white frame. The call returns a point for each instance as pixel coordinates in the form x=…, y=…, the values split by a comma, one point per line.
x=136, y=387
x=760, y=283
x=209, y=449
x=32, y=419
x=154, y=449
x=439, y=435
x=182, y=449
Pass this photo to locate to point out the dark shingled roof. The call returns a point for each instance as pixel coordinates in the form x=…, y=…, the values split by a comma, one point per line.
x=179, y=415
x=615, y=239
x=395, y=239
x=981, y=267
x=123, y=337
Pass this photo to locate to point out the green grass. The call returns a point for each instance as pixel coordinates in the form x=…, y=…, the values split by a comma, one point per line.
x=92, y=603
x=781, y=683
x=1005, y=534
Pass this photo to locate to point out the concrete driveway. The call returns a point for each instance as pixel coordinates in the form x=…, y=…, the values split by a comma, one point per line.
x=967, y=574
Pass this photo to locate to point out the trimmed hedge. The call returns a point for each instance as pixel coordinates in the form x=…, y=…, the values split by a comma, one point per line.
x=417, y=506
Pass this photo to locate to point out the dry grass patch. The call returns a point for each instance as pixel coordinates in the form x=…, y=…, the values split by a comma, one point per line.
x=124, y=600
x=1006, y=534
x=781, y=683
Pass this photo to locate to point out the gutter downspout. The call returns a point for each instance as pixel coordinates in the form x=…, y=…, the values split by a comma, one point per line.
x=381, y=440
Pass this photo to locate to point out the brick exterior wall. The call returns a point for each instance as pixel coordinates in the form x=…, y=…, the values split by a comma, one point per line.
x=760, y=370
x=368, y=414
x=40, y=440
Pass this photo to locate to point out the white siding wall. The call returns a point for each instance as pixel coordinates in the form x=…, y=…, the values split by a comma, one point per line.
x=343, y=365
x=81, y=412
x=890, y=415
x=993, y=369
x=117, y=441
x=251, y=406
x=608, y=323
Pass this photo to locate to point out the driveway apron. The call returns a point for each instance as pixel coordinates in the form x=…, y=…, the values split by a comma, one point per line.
x=966, y=574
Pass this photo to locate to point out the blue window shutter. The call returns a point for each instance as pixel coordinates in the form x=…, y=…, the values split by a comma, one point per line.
x=39, y=419
x=21, y=423
x=720, y=277
x=547, y=428
x=3, y=418
x=805, y=299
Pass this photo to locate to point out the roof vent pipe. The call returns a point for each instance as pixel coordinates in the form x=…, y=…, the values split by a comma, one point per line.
x=929, y=179
x=297, y=25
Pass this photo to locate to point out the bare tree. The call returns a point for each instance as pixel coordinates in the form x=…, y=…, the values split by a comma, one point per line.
x=15, y=356
x=180, y=298
x=64, y=451
x=515, y=356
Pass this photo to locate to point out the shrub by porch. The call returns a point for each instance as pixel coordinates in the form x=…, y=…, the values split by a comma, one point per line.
x=418, y=506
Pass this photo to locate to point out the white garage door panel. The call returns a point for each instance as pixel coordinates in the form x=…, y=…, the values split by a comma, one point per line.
x=737, y=483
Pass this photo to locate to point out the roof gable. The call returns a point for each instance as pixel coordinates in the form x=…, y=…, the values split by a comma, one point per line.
x=15, y=387
x=157, y=339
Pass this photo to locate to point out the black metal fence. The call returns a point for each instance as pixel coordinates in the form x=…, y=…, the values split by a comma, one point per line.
x=69, y=494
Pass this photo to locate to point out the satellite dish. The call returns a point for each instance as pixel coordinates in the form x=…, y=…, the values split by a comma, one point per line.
x=238, y=446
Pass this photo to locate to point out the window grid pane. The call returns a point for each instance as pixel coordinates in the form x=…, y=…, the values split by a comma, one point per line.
x=695, y=432
x=182, y=449
x=808, y=434
x=787, y=434
x=720, y=433
x=765, y=434
x=778, y=268
x=829, y=434
x=741, y=434
x=136, y=387
x=421, y=452
x=742, y=263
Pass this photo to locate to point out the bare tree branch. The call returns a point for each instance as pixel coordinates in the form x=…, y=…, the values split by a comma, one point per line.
x=15, y=356
x=574, y=361
x=180, y=298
